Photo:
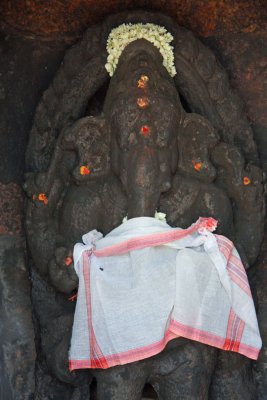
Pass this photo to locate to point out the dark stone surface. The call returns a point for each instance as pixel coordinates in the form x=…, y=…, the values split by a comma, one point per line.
x=205, y=17
x=28, y=65
x=26, y=69
x=17, y=351
x=244, y=56
x=11, y=209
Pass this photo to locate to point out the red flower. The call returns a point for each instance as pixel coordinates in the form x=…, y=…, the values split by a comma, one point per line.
x=208, y=223
x=84, y=170
x=68, y=261
x=145, y=130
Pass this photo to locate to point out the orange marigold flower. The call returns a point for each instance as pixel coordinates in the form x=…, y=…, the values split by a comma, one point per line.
x=142, y=82
x=84, y=170
x=42, y=197
x=197, y=165
x=68, y=261
x=142, y=102
x=246, y=180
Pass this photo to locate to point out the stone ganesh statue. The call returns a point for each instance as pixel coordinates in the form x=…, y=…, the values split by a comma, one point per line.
x=142, y=153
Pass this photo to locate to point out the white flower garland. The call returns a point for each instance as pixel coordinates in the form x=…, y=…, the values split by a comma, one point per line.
x=124, y=34
x=158, y=215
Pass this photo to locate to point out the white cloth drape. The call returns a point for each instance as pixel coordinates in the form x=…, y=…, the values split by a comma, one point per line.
x=146, y=283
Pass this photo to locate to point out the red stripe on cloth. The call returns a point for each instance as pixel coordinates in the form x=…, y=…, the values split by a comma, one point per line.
x=225, y=244
x=240, y=274
x=176, y=329
x=234, y=265
x=239, y=283
x=225, y=251
x=235, y=328
x=128, y=356
x=236, y=260
x=97, y=358
x=223, y=239
x=150, y=240
x=231, y=319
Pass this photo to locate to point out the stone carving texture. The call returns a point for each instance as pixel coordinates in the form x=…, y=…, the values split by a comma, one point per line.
x=11, y=206
x=198, y=158
x=17, y=352
x=206, y=17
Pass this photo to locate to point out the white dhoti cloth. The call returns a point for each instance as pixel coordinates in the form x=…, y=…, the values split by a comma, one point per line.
x=146, y=283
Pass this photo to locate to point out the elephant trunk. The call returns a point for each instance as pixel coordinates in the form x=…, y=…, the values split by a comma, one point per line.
x=142, y=175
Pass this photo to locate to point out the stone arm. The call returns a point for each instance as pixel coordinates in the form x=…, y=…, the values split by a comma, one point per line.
x=51, y=249
x=212, y=179
x=193, y=192
x=244, y=186
x=199, y=152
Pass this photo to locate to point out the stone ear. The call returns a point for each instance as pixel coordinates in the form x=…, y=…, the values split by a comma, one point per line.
x=89, y=138
x=195, y=139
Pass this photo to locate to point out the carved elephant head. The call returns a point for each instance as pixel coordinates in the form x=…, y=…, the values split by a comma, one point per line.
x=143, y=113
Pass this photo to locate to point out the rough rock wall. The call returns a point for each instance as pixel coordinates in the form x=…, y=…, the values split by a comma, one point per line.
x=205, y=17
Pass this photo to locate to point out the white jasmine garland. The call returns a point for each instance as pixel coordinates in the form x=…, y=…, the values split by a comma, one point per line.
x=158, y=215
x=124, y=34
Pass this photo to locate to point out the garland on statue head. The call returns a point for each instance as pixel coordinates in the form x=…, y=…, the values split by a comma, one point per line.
x=124, y=34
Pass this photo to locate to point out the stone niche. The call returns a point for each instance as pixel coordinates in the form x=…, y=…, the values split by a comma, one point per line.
x=53, y=82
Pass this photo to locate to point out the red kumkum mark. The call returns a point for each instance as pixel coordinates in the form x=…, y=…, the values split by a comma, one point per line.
x=246, y=180
x=145, y=130
x=197, y=165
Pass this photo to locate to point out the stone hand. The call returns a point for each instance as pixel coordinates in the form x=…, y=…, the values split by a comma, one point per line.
x=61, y=271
